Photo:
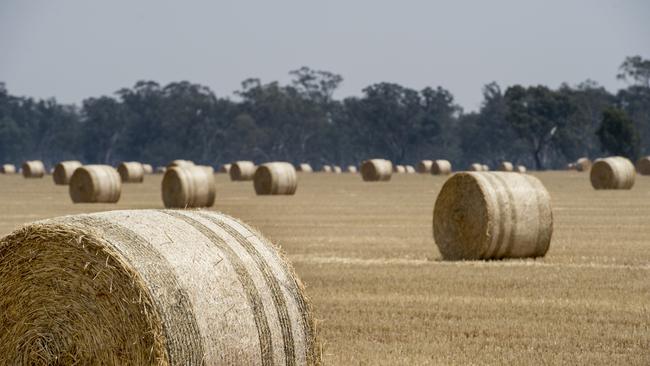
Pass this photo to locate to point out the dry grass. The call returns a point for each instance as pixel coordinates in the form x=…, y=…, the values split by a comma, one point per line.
x=372, y=269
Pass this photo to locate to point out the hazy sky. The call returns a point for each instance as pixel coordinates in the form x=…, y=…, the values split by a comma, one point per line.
x=80, y=48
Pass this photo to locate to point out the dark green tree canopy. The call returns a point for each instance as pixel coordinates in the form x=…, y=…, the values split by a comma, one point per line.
x=617, y=134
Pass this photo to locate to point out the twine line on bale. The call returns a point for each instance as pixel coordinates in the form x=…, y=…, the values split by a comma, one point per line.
x=150, y=287
x=612, y=173
x=33, y=169
x=441, y=167
x=242, y=171
x=63, y=171
x=643, y=165
x=95, y=184
x=275, y=178
x=424, y=166
x=376, y=170
x=188, y=186
x=8, y=169
x=131, y=172
x=486, y=215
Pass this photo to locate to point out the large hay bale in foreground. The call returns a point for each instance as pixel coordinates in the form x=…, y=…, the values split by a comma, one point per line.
x=63, y=171
x=33, y=169
x=643, y=166
x=242, y=170
x=8, y=169
x=400, y=169
x=275, y=178
x=305, y=168
x=506, y=166
x=180, y=162
x=583, y=164
x=225, y=168
x=485, y=215
x=376, y=170
x=441, y=167
x=148, y=169
x=150, y=287
x=352, y=169
x=131, y=172
x=95, y=184
x=612, y=173
x=188, y=187
x=424, y=166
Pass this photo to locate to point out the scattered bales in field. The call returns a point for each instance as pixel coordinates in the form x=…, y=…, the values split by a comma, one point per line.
x=337, y=169
x=8, y=169
x=225, y=168
x=180, y=162
x=520, y=169
x=376, y=170
x=95, y=184
x=485, y=215
x=63, y=171
x=326, y=169
x=506, y=166
x=305, y=168
x=189, y=187
x=410, y=169
x=148, y=169
x=583, y=164
x=242, y=171
x=441, y=167
x=150, y=287
x=352, y=169
x=33, y=169
x=275, y=178
x=424, y=166
x=401, y=169
x=612, y=173
x=131, y=172
x=643, y=166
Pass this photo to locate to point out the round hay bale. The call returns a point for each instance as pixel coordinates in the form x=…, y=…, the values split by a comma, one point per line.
x=148, y=169
x=441, y=167
x=225, y=168
x=400, y=169
x=242, y=170
x=475, y=168
x=410, y=169
x=188, y=187
x=571, y=166
x=150, y=287
x=131, y=172
x=643, y=165
x=376, y=170
x=506, y=166
x=63, y=171
x=336, y=169
x=33, y=169
x=180, y=162
x=352, y=169
x=326, y=169
x=481, y=215
x=305, y=168
x=275, y=178
x=612, y=173
x=8, y=169
x=161, y=170
x=583, y=164
x=424, y=166
x=520, y=169
x=95, y=184
x=486, y=168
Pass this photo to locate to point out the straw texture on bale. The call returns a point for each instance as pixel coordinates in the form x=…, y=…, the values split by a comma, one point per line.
x=33, y=169
x=643, y=165
x=475, y=168
x=480, y=215
x=401, y=169
x=612, y=173
x=148, y=169
x=441, y=167
x=336, y=169
x=150, y=287
x=131, y=172
x=352, y=169
x=180, y=162
x=410, y=169
x=275, y=178
x=305, y=168
x=506, y=166
x=424, y=166
x=63, y=171
x=520, y=169
x=376, y=170
x=583, y=164
x=242, y=170
x=326, y=169
x=189, y=186
x=8, y=169
x=94, y=184
x=225, y=168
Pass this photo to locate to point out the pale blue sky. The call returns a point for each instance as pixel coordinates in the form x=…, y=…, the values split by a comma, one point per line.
x=79, y=48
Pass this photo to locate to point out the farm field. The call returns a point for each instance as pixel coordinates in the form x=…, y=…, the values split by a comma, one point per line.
x=381, y=293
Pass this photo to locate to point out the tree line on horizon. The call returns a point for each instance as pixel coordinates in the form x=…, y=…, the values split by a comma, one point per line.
x=536, y=126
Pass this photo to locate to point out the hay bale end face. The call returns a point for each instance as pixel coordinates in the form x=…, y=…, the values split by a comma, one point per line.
x=441, y=167
x=643, y=165
x=63, y=171
x=242, y=171
x=481, y=215
x=424, y=166
x=95, y=184
x=131, y=172
x=352, y=169
x=33, y=169
x=275, y=178
x=150, y=287
x=376, y=170
x=8, y=169
x=305, y=168
x=189, y=187
x=612, y=173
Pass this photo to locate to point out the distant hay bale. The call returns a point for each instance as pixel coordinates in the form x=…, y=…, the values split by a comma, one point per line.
x=95, y=184
x=424, y=166
x=131, y=172
x=33, y=169
x=401, y=169
x=189, y=187
x=506, y=166
x=410, y=169
x=63, y=171
x=376, y=170
x=476, y=167
x=336, y=169
x=352, y=169
x=441, y=167
x=486, y=168
x=305, y=168
x=180, y=162
x=485, y=215
x=571, y=166
x=150, y=287
x=275, y=178
x=242, y=171
x=326, y=169
x=612, y=173
x=643, y=165
x=225, y=168
x=583, y=164
x=8, y=169
x=161, y=170
x=520, y=169
x=148, y=169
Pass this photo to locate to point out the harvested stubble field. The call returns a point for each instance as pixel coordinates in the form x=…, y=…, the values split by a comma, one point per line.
x=372, y=270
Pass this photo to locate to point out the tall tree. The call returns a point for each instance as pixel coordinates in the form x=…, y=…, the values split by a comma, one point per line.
x=617, y=134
